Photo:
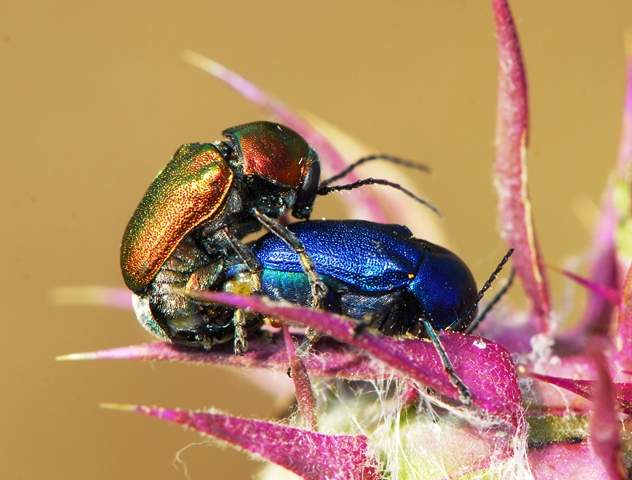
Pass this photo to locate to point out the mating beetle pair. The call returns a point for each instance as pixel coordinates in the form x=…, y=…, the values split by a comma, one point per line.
x=186, y=236
x=220, y=193
x=378, y=274
x=228, y=189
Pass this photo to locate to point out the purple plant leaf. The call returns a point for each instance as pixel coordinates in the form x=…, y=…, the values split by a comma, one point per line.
x=361, y=203
x=484, y=366
x=587, y=388
x=566, y=460
x=305, y=398
x=311, y=455
x=512, y=131
x=605, y=437
x=605, y=268
x=602, y=271
x=624, y=330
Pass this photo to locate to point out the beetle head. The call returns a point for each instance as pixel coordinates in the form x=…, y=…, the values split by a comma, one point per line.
x=278, y=165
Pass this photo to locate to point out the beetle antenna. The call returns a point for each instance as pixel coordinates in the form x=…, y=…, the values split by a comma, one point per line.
x=491, y=304
x=467, y=319
x=369, y=158
x=377, y=181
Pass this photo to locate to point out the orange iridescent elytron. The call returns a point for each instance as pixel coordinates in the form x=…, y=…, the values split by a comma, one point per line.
x=191, y=189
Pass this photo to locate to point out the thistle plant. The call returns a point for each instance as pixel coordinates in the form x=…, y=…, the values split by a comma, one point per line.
x=545, y=403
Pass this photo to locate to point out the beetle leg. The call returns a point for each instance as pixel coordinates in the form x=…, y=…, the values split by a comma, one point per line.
x=369, y=320
x=312, y=337
x=239, y=320
x=464, y=393
x=254, y=267
x=239, y=317
x=385, y=319
x=319, y=289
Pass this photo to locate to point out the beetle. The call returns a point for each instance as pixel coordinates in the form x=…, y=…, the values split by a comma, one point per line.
x=225, y=191
x=260, y=172
x=379, y=274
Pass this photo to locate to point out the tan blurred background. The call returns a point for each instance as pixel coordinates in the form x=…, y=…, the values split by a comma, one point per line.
x=94, y=99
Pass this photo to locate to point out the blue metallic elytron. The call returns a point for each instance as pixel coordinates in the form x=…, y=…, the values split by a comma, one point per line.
x=371, y=271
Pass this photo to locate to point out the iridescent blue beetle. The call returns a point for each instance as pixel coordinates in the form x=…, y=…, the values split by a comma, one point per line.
x=379, y=274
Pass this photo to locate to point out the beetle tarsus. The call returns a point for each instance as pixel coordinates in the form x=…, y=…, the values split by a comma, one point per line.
x=312, y=337
x=241, y=344
x=464, y=393
x=365, y=322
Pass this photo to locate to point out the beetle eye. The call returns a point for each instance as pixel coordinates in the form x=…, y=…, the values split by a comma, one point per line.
x=307, y=192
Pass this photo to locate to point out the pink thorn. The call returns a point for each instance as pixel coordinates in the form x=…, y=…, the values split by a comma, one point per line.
x=603, y=271
x=311, y=455
x=605, y=268
x=118, y=298
x=93, y=296
x=333, y=359
x=586, y=389
x=512, y=130
x=609, y=294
